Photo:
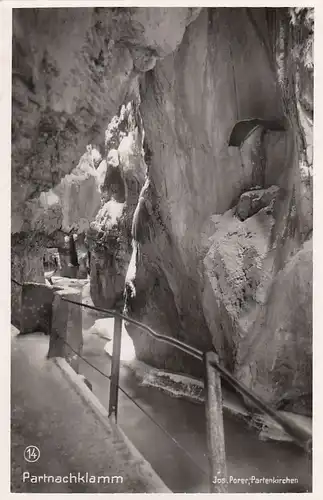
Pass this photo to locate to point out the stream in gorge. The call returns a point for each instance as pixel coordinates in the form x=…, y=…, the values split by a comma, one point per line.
x=185, y=421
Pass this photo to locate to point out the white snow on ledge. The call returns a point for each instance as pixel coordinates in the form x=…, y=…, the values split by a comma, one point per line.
x=104, y=328
x=305, y=170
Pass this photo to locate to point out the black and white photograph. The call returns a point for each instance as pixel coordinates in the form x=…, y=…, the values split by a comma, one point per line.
x=161, y=249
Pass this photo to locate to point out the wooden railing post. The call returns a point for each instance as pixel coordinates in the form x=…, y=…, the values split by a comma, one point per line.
x=214, y=424
x=115, y=368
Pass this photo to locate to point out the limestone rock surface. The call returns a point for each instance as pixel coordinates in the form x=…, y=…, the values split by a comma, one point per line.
x=203, y=284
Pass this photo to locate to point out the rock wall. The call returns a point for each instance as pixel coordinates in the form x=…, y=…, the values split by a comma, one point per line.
x=72, y=69
x=61, y=100
x=276, y=361
x=213, y=273
x=193, y=173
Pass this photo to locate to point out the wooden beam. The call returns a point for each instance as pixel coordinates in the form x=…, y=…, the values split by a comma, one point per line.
x=215, y=430
x=115, y=368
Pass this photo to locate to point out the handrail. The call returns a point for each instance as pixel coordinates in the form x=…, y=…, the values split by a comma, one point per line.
x=192, y=351
x=109, y=377
x=299, y=434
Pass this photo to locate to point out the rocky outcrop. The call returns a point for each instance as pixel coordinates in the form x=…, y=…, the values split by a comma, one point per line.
x=109, y=237
x=237, y=272
x=216, y=228
x=69, y=206
x=50, y=217
x=26, y=265
x=276, y=359
x=251, y=202
x=79, y=195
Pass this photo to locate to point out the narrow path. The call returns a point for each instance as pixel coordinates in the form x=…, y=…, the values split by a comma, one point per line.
x=48, y=413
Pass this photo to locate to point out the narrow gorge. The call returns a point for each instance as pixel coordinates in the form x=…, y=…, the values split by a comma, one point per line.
x=175, y=144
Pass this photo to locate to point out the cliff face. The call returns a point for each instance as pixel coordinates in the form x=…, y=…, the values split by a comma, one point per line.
x=217, y=229
x=226, y=225
x=193, y=173
x=71, y=71
x=60, y=98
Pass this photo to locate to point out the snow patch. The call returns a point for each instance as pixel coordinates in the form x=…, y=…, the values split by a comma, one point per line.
x=113, y=158
x=48, y=198
x=103, y=328
x=132, y=269
x=108, y=215
x=306, y=171
x=127, y=348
